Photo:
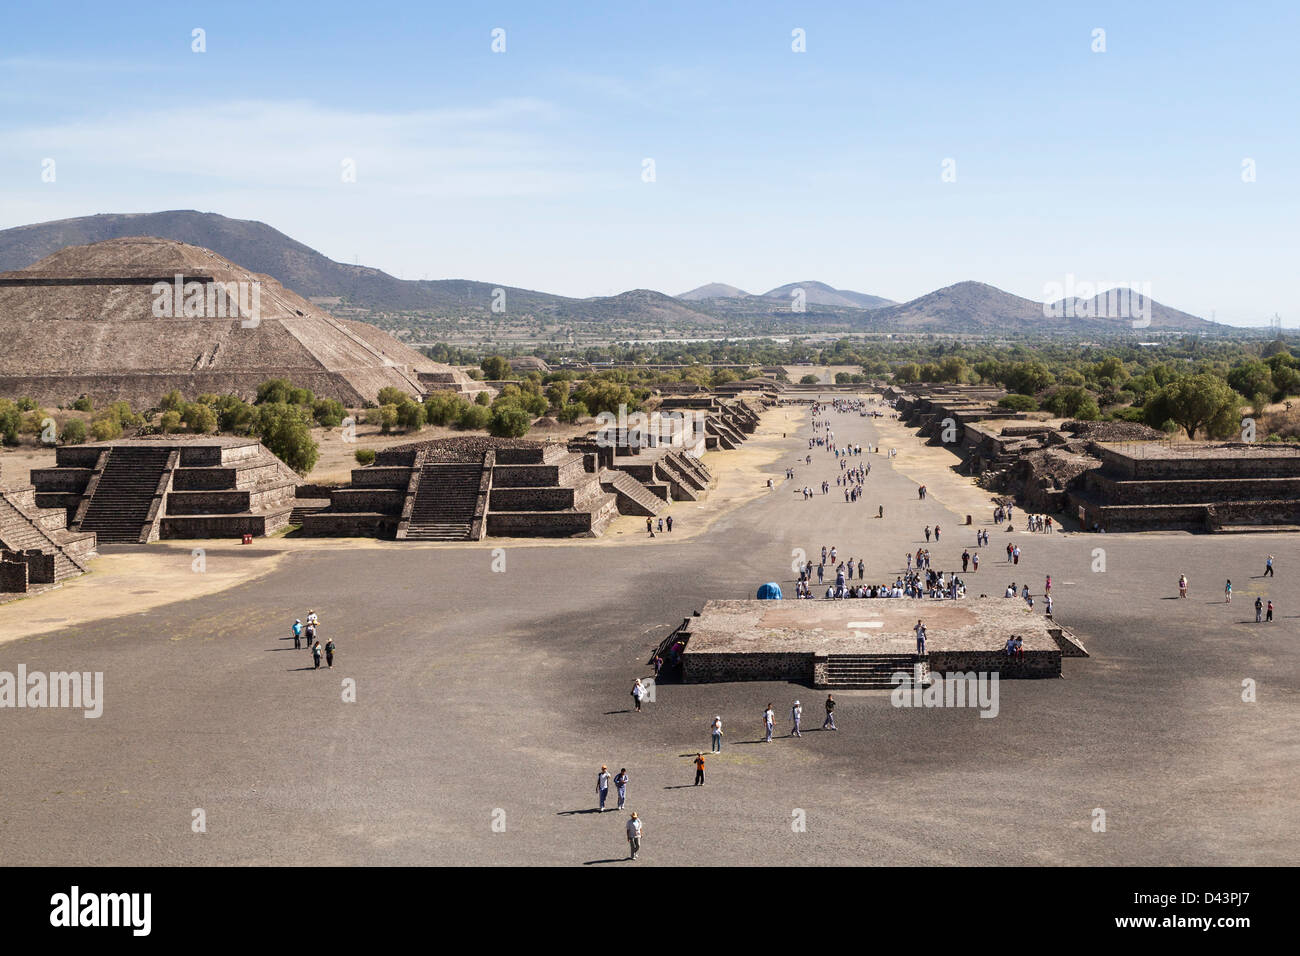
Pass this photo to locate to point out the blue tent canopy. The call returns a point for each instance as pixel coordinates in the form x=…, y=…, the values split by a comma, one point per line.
x=770, y=591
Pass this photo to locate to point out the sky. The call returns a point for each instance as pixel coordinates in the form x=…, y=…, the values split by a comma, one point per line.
x=607, y=146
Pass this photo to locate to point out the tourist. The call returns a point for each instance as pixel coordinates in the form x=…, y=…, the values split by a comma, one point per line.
x=796, y=714
x=311, y=631
x=634, y=834
x=1227, y=591
x=602, y=786
x=1268, y=567
x=829, y=722
x=1269, y=613
x=1015, y=555
x=975, y=562
x=717, y=735
x=329, y=653
x=315, y=653
x=769, y=717
x=1047, y=588
x=920, y=637
x=699, y=768
x=650, y=527
x=965, y=561
x=1047, y=607
x=936, y=534
x=1182, y=585
x=661, y=525
x=669, y=519
x=880, y=511
x=1259, y=610
x=297, y=633
x=638, y=692
x=620, y=784
x=927, y=534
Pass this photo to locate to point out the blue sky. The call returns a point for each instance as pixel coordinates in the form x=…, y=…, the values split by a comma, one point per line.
x=770, y=166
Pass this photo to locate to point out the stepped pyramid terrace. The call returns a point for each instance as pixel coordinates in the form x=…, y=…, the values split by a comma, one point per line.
x=37, y=549
x=139, y=490
x=135, y=318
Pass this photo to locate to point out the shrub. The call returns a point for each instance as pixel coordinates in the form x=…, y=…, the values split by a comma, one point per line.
x=328, y=412
x=1019, y=403
x=199, y=418
x=444, y=408
x=11, y=419
x=106, y=429
x=388, y=395
x=172, y=401
x=387, y=418
x=573, y=411
x=74, y=432
x=410, y=416
x=509, y=420
x=83, y=404
x=364, y=456
x=170, y=422
x=496, y=367
x=473, y=417
x=285, y=429
x=482, y=399
x=809, y=379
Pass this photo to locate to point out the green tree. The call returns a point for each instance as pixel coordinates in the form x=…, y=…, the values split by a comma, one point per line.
x=1196, y=402
x=388, y=395
x=508, y=420
x=84, y=404
x=199, y=418
x=474, y=417
x=173, y=401
x=496, y=368
x=410, y=416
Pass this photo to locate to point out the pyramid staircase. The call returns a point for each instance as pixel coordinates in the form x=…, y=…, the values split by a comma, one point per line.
x=634, y=498
x=26, y=530
x=870, y=671
x=125, y=501
x=446, y=499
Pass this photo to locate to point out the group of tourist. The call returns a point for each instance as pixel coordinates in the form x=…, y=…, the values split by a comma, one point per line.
x=308, y=631
x=665, y=521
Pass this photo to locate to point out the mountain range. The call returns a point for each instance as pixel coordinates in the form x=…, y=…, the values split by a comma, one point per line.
x=970, y=307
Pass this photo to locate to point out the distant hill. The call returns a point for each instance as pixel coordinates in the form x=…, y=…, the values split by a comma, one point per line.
x=714, y=290
x=260, y=248
x=979, y=307
x=362, y=291
x=819, y=293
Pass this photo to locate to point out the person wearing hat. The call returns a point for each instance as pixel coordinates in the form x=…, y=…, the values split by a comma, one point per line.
x=699, y=768
x=602, y=786
x=634, y=834
x=297, y=633
x=796, y=714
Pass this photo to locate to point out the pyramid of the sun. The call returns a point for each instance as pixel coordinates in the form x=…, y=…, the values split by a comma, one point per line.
x=135, y=318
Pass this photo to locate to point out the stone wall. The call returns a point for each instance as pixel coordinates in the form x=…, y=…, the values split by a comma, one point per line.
x=709, y=668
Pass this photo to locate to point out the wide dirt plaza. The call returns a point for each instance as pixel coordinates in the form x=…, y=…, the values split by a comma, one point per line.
x=492, y=681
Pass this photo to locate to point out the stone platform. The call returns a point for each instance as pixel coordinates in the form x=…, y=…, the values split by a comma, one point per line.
x=862, y=641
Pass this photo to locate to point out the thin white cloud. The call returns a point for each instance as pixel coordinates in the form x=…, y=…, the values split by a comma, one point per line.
x=506, y=148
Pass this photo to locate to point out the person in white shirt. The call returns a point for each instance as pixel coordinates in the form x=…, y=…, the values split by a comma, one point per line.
x=634, y=834
x=602, y=786
x=638, y=692
x=717, y=735
x=768, y=718
x=796, y=714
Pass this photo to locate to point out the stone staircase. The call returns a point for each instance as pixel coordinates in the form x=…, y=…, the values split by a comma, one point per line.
x=19, y=533
x=634, y=498
x=445, y=500
x=120, y=509
x=869, y=671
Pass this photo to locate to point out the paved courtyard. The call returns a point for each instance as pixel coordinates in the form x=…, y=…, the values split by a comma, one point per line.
x=486, y=701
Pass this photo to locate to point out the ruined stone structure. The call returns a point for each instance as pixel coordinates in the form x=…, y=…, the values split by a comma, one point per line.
x=87, y=320
x=462, y=489
x=140, y=490
x=37, y=551
x=863, y=643
x=1194, y=487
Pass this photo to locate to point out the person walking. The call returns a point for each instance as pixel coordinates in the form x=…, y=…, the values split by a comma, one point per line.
x=829, y=722
x=329, y=652
x=1259, y=610
x=796, y=715
x=1227, y=591
x=1182, y=585
x=669, y=520
x=297, y=633
x=769, y=717
x=975, y=561
x=602, y=786
x=315, y=653
x=638, y=691
x=1268, y=567
x=620, y=784
x=634, y=834
x=717, y=735
x=1268, y=614
x=699, y=768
